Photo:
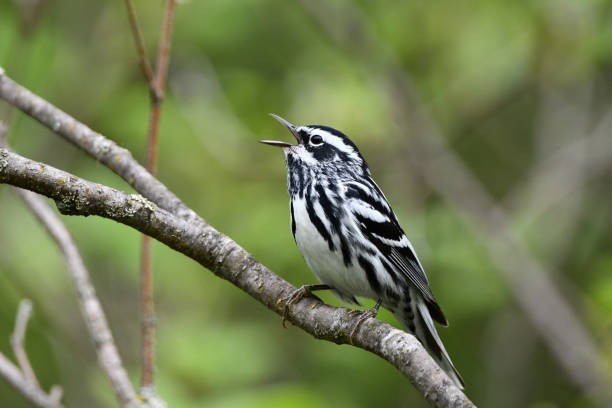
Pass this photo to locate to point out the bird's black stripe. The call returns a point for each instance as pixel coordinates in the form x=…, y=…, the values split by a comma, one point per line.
x=297, y=177
x=292, y=219
x=395, y=277
x=361, y=195
x=372, y=230
x=381, y=246
x=332, y=212
x=403, y=259
x=377, y=190
x=301, y=181
x=392, y=297
x=316, y=221
x=370, y=272
x=384, y=229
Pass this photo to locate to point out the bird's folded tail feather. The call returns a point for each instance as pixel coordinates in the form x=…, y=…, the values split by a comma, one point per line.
x=417, y=320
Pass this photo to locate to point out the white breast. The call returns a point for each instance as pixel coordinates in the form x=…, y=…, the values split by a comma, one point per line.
x=327, y=265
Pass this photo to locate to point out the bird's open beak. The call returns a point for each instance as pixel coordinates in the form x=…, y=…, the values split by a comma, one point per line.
x=289, y=126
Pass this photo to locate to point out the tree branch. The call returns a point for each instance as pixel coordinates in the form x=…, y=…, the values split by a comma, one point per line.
x=156, y=84
x=91, y=308
x=148, y=319
x=18, y=339
x=225, y=258
x=143, y=59
x=24, y=380
x=104, y=150
x=163, y=53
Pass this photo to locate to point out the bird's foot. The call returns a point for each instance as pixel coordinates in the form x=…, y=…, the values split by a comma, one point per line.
x=363, y=316
x=296, y=296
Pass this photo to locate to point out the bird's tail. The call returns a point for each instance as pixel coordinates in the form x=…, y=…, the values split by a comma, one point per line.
x=416, y=318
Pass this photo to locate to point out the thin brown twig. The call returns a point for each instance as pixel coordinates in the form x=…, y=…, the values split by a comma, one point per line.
x=159, y=83
x=163, y=53
x=143, y=59
x=156, y=83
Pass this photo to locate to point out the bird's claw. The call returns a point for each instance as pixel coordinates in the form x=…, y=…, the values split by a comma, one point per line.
x=298, y=295
x=292, y=299
x=363, y=316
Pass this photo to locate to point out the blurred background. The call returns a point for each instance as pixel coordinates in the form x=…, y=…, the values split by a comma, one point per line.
x=487, y=123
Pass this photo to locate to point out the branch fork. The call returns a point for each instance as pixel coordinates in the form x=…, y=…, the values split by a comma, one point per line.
x=22, y=376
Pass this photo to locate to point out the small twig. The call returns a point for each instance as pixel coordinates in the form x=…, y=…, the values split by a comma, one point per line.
x=18, y=340
x=22, y=378
x=143, y=59
x=148, y=321
x=157, y=85
x=91, y=308
x=163, y=53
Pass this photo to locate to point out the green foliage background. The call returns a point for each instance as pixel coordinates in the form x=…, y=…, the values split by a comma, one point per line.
x=506, y=82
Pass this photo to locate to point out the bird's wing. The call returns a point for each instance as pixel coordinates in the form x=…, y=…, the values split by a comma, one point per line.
x=378, y=224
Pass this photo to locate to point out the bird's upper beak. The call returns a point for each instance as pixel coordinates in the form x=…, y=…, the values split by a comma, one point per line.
x=292, y=128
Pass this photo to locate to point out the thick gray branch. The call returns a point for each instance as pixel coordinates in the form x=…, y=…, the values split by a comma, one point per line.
x=213, y=250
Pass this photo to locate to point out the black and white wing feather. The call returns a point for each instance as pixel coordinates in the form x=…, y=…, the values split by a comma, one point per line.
x=379, y=226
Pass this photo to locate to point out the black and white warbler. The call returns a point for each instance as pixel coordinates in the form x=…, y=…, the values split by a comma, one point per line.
x=350, y=237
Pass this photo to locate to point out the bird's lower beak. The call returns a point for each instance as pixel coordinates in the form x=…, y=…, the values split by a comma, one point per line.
x=292, y=128
x=276, y=143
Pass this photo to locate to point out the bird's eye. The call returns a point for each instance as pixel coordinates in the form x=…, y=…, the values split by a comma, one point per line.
x=316, y=140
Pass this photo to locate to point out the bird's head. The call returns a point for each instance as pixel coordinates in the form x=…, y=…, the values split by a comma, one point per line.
x=319, y=145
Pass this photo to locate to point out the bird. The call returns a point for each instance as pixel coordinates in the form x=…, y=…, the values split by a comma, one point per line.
x=351, y=239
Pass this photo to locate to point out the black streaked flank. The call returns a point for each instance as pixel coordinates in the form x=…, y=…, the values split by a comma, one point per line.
x=292, y=219
x=392, y=297
x=333, y=214
x=314, y=218
x=370, y=273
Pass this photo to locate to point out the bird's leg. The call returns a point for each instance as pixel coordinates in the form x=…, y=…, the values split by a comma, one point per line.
x=299, y=294
x=365, y=315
